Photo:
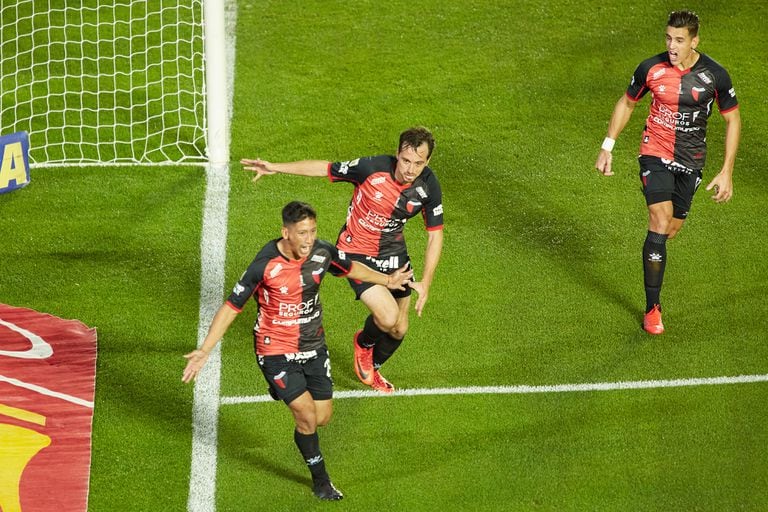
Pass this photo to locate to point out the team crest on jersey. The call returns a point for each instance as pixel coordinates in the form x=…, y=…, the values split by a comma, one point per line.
x=695, y=92
x=410, y=206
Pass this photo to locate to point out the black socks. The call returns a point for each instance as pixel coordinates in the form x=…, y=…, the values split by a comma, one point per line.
x=383, y=344
x=654, y=262
x=309, y=446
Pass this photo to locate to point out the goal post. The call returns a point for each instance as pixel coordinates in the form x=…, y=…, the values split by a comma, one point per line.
x=98, y=82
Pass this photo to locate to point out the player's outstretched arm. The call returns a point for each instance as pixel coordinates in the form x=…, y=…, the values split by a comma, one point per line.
x=722, y=183
x=397, y=280
x=622, y=112
x=197, y=358
x=316, y=168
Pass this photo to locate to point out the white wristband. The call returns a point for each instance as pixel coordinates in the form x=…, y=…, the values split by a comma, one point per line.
x=608, y=144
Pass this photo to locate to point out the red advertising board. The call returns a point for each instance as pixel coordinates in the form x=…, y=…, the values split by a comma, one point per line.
x=47, y=382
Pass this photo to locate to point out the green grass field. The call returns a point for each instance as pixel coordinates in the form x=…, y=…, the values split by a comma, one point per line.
x=540, y=281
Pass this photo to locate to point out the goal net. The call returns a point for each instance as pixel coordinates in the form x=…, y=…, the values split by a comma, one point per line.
x=104, y=81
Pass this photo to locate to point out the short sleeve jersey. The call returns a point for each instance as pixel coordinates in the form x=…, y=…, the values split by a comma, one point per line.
x=381, y=206
x=676, y=127
x=290, y=316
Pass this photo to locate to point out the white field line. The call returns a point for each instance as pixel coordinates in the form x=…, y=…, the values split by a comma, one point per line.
x=46, y=391
x=522, y=390
x=213, y=244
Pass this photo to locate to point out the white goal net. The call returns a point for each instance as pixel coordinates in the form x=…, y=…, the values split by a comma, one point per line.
x=104, y=81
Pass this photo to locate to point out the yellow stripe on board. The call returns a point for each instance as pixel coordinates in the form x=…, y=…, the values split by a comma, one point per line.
x=23, y=415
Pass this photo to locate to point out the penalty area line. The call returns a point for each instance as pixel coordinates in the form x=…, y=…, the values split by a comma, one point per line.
x=524, y=389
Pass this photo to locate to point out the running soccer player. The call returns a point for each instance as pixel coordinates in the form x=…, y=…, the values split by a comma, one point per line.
x=684, y=83
x=389, y=190
x=289, y=339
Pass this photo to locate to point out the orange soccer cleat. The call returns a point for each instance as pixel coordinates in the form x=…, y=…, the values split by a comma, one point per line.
x=363, y=362
x=652, y=321
x=381, y=384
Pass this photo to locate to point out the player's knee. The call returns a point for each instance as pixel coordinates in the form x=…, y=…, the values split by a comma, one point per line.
x=386, y=320
x=323, y=419
x=399, y=331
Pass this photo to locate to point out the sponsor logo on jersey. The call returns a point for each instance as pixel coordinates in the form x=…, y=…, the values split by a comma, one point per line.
x=695, y=93
x=437, y=210
x=292, y=310
x=378, y=195
x=662, y=88
x=378, y=181
x=275, y=271
x=704, y=78
x=317, y=258
x=376, y=222
x=656, y=75
x=284, y=290
x=420, y=191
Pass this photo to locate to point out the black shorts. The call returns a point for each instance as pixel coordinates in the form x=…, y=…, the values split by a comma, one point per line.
x=669, y=181
x=385, y=266
x=290, y=375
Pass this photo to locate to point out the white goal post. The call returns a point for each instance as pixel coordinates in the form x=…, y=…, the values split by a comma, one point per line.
x=131, y=82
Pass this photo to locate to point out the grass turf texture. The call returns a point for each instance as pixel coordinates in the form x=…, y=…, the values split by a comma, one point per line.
x=540, y=281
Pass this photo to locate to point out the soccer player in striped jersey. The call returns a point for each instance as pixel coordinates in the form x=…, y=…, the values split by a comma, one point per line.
x=388, y=191
x=684, y=84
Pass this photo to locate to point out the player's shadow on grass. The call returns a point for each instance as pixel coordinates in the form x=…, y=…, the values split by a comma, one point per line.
x=552, y=230
x=236, y=442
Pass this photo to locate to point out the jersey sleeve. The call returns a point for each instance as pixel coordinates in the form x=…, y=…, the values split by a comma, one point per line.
x=247, y=284
x=433, y=207
x=637, y=85
x=724, y=91
x=340, y=264
x=357, y=170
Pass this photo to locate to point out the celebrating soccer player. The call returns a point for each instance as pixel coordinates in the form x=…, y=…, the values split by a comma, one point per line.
x=684, y=83
x=288, y=335
x=389, y=190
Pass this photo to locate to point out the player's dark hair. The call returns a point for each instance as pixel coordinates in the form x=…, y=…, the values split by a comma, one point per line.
x=684, y=19
x=415, y=137
x=296, y=211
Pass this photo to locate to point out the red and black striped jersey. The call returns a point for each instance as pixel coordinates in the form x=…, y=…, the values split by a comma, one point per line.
x=380, y=206
x=290, y=317
x=681, y=104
